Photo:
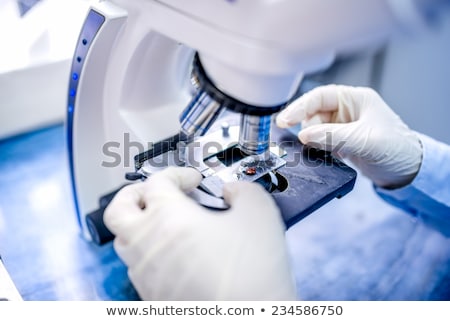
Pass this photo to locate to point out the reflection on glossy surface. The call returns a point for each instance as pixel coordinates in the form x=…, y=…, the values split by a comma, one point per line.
x=355, y=248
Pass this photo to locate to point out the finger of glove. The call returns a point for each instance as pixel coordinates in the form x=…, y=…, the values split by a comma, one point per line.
x=167, y=213
x=250, y=201
x=166, y=201
x=320, y=99
x=335, y=138
x=125, y=208
x=260, y=235
x=178, y=178
x=171, y=183
x=317, y=119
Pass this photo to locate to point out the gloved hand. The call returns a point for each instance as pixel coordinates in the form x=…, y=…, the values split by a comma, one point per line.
x=355, y=123
x=176, y=249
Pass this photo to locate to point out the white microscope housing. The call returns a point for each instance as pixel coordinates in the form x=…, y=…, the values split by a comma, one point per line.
x=132, y=69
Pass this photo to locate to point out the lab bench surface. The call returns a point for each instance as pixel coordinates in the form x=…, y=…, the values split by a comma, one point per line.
x=355, y=248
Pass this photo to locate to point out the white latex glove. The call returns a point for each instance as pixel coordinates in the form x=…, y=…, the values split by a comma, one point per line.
x=176, y=249
x=355, y=123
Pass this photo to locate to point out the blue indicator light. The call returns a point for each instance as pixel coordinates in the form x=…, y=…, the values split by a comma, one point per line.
x=75, y=76
x=79, y=59
x=84, y=41
x=70, y=109
x=72, y=93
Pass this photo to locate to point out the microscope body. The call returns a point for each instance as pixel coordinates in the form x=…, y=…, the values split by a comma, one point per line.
x=131, y=80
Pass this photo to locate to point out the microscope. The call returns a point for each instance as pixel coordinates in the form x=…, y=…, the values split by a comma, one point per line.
x=158, y=83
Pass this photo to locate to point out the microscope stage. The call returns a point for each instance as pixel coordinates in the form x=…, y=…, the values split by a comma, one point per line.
x=300, y=179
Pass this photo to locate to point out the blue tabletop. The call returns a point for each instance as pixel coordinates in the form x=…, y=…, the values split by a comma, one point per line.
x=355, y=248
